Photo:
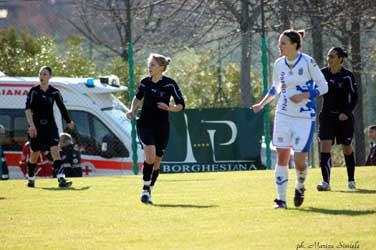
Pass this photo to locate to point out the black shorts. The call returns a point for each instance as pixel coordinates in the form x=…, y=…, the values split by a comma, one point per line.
x=157, y=136
x=47, y=137
x=340, y=132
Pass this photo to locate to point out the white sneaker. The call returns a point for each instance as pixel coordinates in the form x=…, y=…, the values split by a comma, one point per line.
x=352, y=185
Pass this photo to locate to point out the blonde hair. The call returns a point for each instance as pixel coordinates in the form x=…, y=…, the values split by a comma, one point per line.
x=160, y=59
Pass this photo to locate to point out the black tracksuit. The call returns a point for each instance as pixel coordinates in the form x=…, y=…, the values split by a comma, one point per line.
x=41, y=104
x=341, y=98
x=153, y=124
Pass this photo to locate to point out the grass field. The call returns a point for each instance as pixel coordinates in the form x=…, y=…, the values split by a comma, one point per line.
x=232, y=210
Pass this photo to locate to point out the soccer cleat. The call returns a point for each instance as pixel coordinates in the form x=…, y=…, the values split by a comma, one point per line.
x=63, y=183
x=31, y=183
x=352, y=185
x=280, y=204
x=5, y=177
x=299, y=197
x=145, y=197
x=323, y=186
x=150, y=201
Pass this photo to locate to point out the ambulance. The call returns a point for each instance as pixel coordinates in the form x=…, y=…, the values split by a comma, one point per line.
x=102, y=130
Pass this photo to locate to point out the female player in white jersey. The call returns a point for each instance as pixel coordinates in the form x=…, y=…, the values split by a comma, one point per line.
x=298, y=81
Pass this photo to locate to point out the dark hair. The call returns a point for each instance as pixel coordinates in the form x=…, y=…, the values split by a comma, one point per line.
x=295, y=36
x=340, y=52
x=46, y=68
x=372, y=127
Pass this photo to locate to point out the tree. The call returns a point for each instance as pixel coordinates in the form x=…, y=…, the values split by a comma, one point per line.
x=245, y=14
x=355, y=19
x=196, y=74
x=356, y=61
x=114, y=23
x=22, y=55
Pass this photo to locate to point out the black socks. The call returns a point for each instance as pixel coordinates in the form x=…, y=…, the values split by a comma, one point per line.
x=350, y=165
x=147, y=173
x=325, y=164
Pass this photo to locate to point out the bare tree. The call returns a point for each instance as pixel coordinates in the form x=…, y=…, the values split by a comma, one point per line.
x=353, y=20
x=246, y=14
x=114, y=23
x=231, y=22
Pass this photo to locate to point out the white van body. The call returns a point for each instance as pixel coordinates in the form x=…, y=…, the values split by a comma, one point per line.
x=95, y=111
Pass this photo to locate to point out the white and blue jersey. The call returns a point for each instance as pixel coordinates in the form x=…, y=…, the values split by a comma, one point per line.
x=303, y=76
x=295, y=122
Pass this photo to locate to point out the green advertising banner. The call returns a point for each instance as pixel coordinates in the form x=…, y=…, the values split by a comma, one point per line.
x=209, y=140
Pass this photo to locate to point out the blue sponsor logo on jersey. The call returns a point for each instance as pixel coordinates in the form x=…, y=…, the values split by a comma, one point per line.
x=300, y=72
x=310, y=106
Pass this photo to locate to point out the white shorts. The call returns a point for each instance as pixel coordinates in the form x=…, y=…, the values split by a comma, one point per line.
x=293, y=132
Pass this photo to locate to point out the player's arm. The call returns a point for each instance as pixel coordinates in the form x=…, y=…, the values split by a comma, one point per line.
x=137, y=99
x=266, y=100
x=321, y=85
x=29, y=114
x=272, y=92
x=63, y=109
x=135, y=104
x=29, y=118
x=353, y=93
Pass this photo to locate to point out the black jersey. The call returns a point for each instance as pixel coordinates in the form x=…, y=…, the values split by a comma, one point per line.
x=371, y=159
x=70, y=156
x=41, y=104
x=161, y=91
x=342, y=95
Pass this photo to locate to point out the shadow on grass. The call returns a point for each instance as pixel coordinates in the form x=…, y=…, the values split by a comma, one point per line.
x=184, y=206
x=64, y=189
x=335, y=211
x=161, y=180
x=357, y=191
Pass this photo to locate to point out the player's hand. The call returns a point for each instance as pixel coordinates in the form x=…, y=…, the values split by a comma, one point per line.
x=257, y=107
x=130, y=115
x=32, y=132
x=163, y=106
x=342, y=117
x=299, y=97
x=70, y=125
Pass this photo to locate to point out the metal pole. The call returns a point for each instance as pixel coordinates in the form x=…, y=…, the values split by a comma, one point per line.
x=131, y=95
x=131, y=86
x=264, y=59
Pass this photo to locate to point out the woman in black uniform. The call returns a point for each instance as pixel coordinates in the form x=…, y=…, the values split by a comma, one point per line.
x=336, y=118
x=153, y=124
x=43, y=131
